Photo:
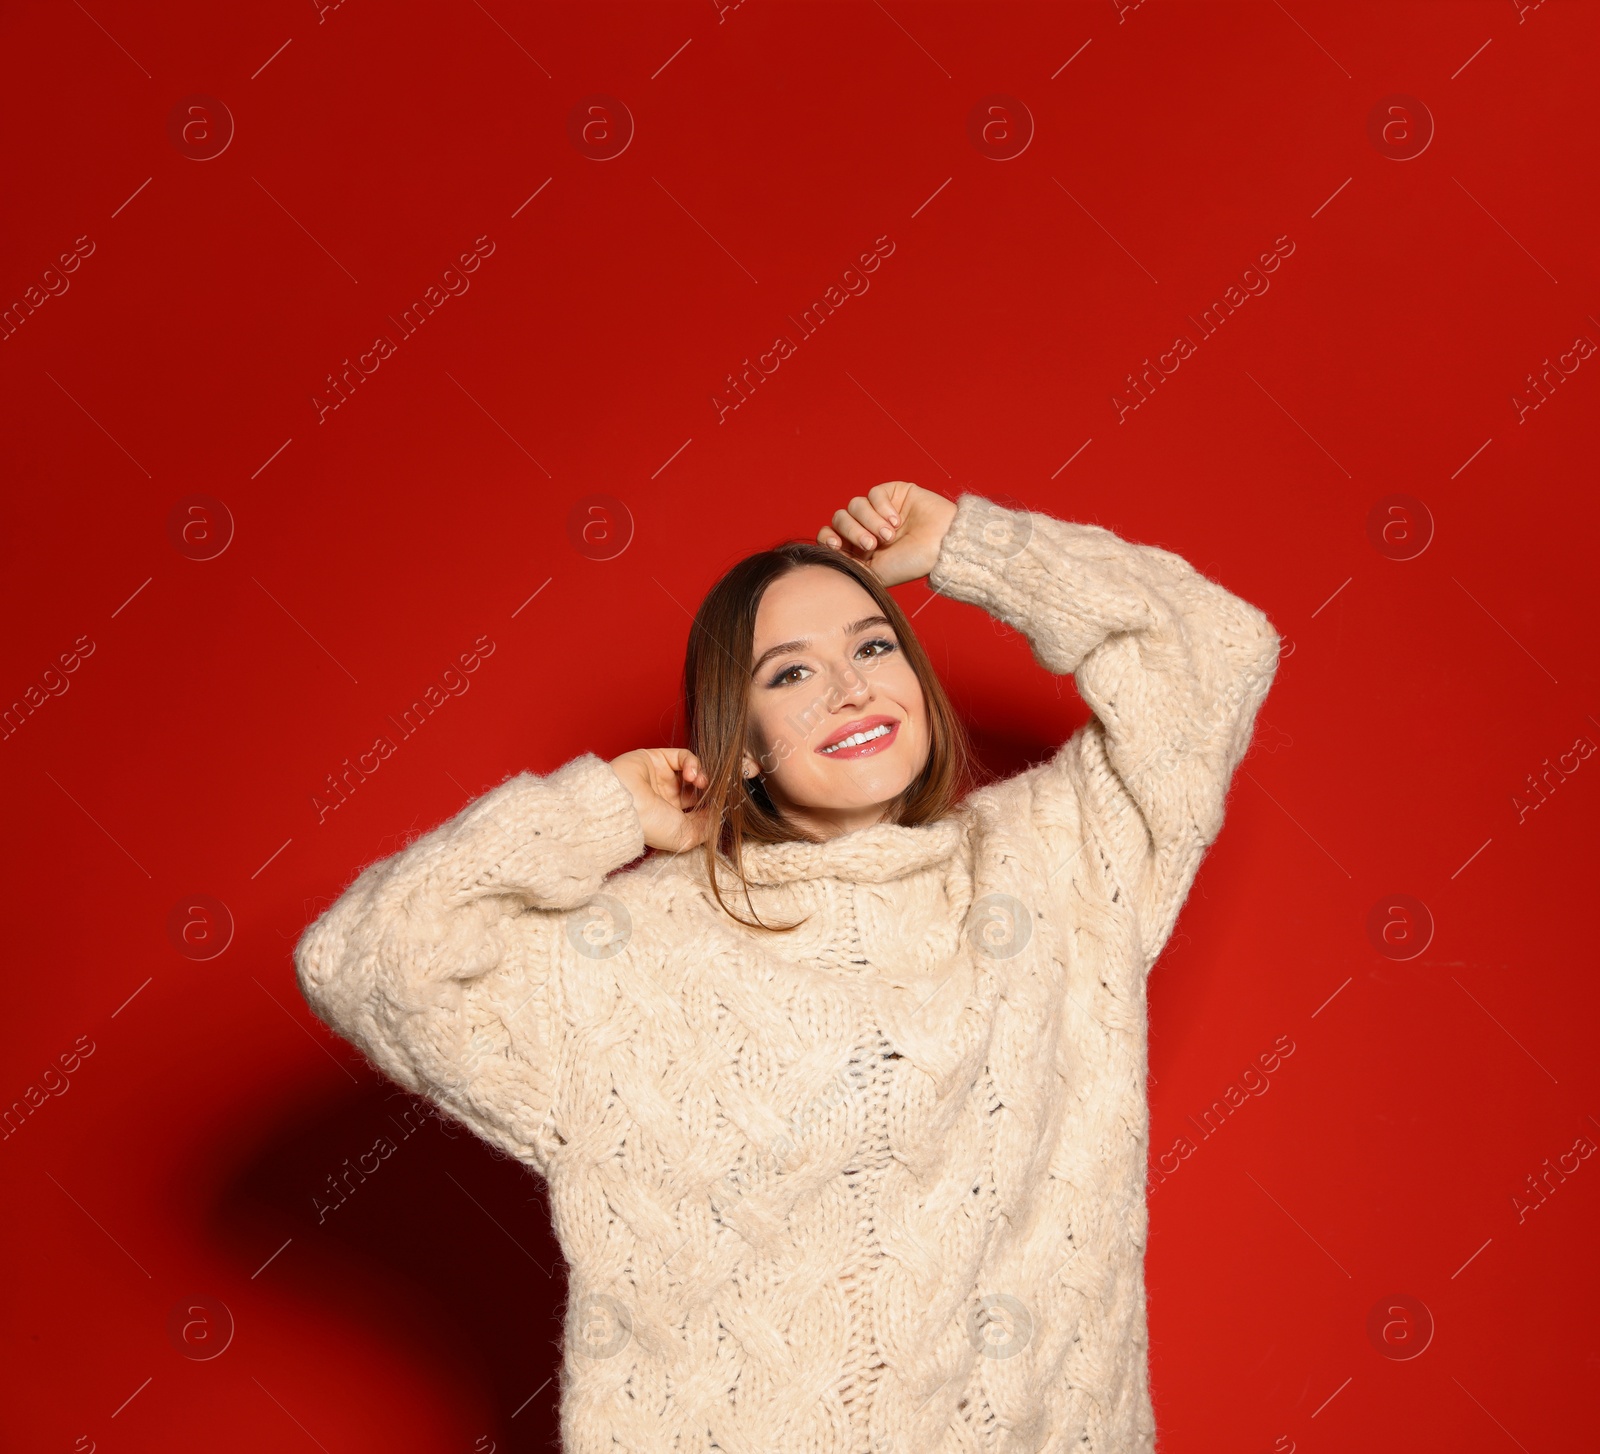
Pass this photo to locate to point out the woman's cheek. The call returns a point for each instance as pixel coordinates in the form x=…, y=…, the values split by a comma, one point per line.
x=799, y=778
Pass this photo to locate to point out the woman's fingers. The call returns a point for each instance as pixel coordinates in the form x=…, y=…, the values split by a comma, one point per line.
x=883, y=497
x=869, y=521
x=690, y=829
x=846, y=536
x=866, y=513
x=862, y=526
x=685, y=778
x=695, y=786
x=853, y=531
x=674, y=775
x=688, y=838
x=683, y=762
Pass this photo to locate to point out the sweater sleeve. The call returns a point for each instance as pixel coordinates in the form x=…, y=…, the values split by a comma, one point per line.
x=1172, y=666
x=441, y=963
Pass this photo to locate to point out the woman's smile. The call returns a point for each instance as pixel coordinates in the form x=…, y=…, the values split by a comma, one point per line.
x=862, y=738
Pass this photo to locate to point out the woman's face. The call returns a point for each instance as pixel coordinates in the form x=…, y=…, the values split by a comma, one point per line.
x=828, y=669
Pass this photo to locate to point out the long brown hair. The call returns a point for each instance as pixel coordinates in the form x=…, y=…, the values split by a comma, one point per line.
x=716, y=699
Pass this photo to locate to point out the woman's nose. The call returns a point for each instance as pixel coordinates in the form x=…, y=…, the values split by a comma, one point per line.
x=849, y=683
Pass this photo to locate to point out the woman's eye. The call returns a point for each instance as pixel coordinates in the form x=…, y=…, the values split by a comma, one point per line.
x=879, y=641
x=786, y=676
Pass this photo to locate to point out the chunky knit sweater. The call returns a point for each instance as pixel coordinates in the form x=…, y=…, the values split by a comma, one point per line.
x=875, y=1186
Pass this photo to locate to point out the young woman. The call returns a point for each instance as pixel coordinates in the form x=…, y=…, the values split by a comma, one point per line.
x=840, y=1095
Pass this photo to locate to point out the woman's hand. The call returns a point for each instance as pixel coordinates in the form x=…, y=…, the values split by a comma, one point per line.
x=666, y=783
x=894, y=529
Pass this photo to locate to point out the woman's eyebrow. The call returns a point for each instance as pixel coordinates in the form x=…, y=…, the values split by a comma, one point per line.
x=779, y=650
x=786, y=646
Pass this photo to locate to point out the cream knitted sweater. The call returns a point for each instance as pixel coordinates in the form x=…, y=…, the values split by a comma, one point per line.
x=876, y=1186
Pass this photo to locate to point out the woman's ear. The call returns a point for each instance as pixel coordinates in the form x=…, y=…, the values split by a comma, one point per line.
x=750, y=767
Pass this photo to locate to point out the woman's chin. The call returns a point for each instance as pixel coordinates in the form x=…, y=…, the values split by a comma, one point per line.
x=852, y=786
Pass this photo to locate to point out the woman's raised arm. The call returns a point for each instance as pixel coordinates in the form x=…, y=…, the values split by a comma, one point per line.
x=1173, y=666
x=440, y=963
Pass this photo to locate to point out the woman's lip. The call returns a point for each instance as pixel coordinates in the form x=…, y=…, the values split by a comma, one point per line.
x=866, y=749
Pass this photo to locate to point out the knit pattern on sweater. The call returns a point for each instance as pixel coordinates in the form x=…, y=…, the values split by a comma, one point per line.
x=875, y=1186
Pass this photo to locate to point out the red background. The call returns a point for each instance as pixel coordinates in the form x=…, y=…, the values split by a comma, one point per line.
x=772, y=144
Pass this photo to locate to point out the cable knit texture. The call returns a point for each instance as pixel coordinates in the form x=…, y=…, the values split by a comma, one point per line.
x=876, y=1186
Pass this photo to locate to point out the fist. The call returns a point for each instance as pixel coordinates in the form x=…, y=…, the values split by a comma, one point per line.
x=895, y=530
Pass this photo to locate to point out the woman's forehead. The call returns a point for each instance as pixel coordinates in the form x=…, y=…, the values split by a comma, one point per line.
x=811, y=602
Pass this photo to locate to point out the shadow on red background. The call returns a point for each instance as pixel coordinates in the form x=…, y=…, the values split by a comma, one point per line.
x=1377, y=1240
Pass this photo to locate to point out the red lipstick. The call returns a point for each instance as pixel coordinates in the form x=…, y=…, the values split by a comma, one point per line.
x=886, y=729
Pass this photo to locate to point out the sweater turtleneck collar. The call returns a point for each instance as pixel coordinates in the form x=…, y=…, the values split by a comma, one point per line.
x=876, y=854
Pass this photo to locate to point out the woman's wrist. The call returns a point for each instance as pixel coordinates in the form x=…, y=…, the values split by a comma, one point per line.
x=943, y=528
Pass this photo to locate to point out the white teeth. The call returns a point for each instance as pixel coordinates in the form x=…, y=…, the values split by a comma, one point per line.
x=856, y=739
